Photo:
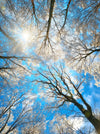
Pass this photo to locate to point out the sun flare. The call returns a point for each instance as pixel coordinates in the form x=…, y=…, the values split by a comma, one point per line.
x=26, y=36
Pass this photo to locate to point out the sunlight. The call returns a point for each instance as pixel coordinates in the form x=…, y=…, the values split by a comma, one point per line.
x=26, y=36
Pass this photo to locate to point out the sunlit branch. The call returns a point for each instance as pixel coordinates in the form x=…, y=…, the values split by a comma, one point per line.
x=3, y=127
x=54, y=78
x=50, y=18
x=13, y=102
x=66, y=14
x=34, y=12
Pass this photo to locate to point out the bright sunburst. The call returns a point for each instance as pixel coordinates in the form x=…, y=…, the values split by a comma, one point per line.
x=23, y=35
x=26, y=36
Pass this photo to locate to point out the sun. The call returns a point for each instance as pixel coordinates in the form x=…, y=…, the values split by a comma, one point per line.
x=26, y=36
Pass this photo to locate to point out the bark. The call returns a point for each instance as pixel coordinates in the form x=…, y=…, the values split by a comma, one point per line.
x=90, y=117
x=55, y=87
x=66, y=13
x=50, y=17
x=95, y=122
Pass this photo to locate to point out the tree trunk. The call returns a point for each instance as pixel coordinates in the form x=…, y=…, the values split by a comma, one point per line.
x=95, y=122
x=88, y=114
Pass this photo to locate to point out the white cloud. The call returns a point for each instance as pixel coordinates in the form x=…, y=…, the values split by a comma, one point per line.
x=94, y=132
x=60, y=123
x=77, y=122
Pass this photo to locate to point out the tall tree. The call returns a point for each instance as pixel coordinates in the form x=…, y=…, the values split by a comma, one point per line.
x=18, y=112
x=61, y=86
x=49, y=30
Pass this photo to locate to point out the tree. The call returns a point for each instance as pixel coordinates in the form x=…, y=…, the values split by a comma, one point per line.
x=78, y=33
x=61, y=86
x=15, y=60
x=35, y=32
x=15, y=110
x=18, y=113
x=8, y=106
x=48, y=28
x=83, y=56
x=35, y=129
x=62, y=125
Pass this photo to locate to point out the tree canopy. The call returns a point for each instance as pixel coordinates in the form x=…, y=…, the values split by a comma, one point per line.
x=49, y=55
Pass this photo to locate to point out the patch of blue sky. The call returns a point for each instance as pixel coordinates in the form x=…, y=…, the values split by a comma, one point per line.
x=91, y=93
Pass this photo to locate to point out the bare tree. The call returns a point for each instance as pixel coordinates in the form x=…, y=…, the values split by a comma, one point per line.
x=17, y=113
x=88, y=15
x=48, y=19
x=60, y=124
x=35, y=129
x=6, y=111
x=61, y=86
x=80, y=55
